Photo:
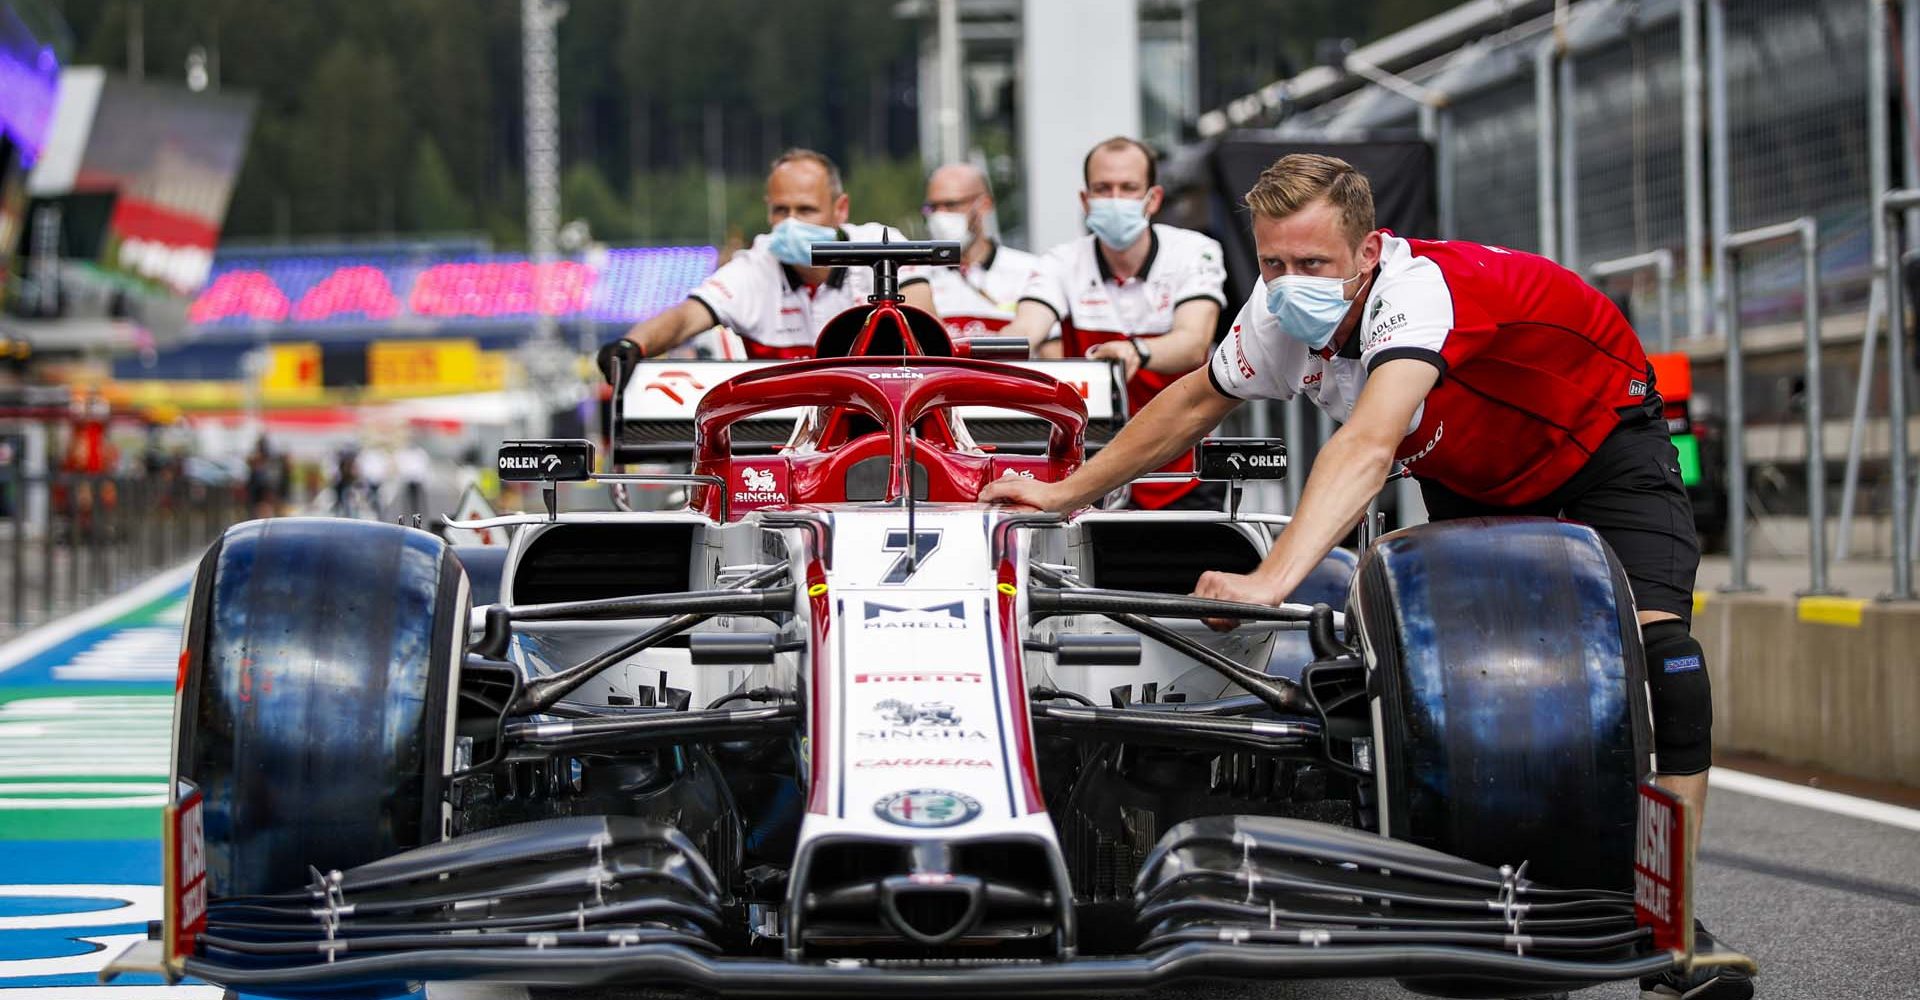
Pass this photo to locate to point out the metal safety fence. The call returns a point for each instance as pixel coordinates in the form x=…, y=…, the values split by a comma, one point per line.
x=97, y=535
x=1625, y=138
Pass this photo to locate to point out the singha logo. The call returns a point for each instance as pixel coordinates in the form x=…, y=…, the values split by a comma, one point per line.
x=758, y=486
x=895, y=712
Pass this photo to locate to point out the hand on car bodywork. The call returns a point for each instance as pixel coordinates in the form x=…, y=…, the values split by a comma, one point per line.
x=1243, y=587
x=1017, y=491
x=1120, y=352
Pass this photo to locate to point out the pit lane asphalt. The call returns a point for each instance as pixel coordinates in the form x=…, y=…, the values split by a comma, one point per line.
x=1829, y=906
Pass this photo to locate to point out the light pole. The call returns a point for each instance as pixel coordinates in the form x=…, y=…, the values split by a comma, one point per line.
x=549, y=365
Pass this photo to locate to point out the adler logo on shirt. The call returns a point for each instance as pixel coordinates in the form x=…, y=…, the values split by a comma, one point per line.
x=1379, y=331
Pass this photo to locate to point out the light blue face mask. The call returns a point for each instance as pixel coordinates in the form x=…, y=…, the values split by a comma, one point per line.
x=1117, y=222
x=1309, y=308
x=793, y=241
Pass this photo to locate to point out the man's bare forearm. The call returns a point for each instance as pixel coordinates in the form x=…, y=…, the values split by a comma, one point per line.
x=1347, y=474
x=672, y=328
x=1166, y=427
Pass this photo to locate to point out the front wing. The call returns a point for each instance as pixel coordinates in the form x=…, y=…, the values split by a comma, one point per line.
x=600, y=901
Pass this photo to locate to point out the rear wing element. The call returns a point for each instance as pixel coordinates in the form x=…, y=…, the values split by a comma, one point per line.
x=657, y=410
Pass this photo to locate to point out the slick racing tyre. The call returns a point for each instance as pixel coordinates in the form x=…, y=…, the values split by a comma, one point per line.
x=1511, y=714
x=485, y=566
x=314, y=712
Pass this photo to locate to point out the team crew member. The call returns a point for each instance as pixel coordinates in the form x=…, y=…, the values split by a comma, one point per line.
x=977, y=297
x=1144, y=296
x=1501, y=380
x=769, y=294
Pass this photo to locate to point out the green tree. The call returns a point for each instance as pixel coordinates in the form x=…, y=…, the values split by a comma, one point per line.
x=349, y=143
x=433, y=198
x=585, y=194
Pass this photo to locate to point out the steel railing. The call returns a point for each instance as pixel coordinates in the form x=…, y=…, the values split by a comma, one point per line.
x=1805, y=232
x=1893, y=206
x=1660, y=262
x=74, y=539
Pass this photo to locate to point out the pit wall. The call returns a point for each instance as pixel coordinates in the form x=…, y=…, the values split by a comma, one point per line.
x=1827, y=682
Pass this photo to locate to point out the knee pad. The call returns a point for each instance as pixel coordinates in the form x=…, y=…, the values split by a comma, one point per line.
x=1682, y=700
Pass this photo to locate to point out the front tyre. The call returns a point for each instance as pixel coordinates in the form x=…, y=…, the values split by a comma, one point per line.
x=1510, y=695
x=315, y=709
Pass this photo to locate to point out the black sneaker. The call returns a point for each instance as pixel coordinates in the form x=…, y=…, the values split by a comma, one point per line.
x=1718, y=982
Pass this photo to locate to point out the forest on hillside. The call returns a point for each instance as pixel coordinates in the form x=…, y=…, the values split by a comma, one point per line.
x=402, y=116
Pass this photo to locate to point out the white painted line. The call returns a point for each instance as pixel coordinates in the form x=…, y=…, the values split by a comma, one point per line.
x=1814, y=798
x=25, y=647
x=112, y=993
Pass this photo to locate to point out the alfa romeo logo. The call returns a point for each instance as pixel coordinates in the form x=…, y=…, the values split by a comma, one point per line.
x=927, y=807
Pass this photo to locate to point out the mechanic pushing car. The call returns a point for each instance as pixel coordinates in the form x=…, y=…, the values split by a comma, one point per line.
x=979, y=296
x=1502, y=381
x=769, y=294
x=1144, y=296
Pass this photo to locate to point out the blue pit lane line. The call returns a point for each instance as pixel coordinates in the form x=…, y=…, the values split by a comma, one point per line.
x=86, y=708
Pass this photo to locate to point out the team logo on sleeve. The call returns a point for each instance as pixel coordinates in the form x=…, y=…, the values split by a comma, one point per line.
x=1240, y=363
x=1379, y=331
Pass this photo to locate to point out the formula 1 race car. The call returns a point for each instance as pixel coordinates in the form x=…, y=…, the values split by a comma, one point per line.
x=834, y=726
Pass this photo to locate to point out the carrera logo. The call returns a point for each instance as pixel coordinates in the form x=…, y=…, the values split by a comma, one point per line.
x=916, y=677
x=1427, y=449
x=759, y=487
x=940, y=616
x=961, y=763
x=1311, y=379
x=897, y=375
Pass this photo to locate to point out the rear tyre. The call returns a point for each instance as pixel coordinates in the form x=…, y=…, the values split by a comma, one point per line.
x=1511, y=712
x=315, y=711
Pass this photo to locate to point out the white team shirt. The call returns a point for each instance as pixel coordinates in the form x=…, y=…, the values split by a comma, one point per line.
x=1073, y=281
x=1409, y=306
x=977, y=299
x=764, y=301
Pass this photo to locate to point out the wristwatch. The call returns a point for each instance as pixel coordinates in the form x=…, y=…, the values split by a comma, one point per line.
x=1140, y=348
